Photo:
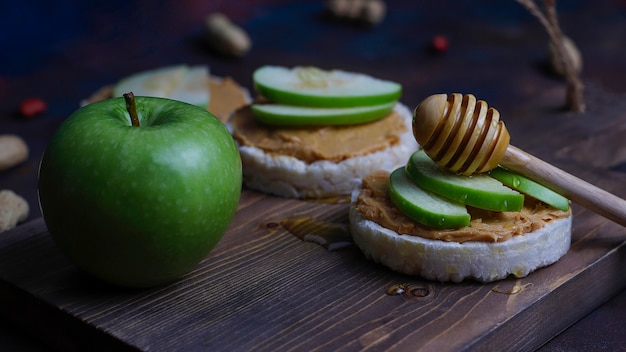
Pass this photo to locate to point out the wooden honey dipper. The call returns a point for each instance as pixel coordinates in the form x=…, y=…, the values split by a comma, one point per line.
x=467, y=137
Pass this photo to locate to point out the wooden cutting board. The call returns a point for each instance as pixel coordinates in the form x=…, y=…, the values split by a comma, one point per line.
x=287, y=277
x=264, y=288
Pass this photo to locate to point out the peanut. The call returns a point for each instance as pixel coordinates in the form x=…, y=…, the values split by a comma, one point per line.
x=13, y=150
x=368, y=11
x=226, y=37
x=13, y=209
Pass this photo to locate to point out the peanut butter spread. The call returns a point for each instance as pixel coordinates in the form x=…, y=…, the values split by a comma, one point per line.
x=487, y=226
x=309, y=144
x=226, y=97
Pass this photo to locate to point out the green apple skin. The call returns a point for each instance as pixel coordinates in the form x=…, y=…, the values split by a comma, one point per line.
x=291, y=115
x=423, y=206
x=480, y=191
x=278, y=85
x=530, y=188
x=139, y=206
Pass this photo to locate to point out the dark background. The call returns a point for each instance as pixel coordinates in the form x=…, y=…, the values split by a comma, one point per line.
x=63, y=51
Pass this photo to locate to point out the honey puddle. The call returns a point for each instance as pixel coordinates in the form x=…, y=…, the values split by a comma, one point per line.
x=411, y=292
x=332, y=236
x=332, y=200
x=517, y=288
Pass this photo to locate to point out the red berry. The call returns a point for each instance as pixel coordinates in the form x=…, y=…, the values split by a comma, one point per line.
x=32, y=106
x=440, y=43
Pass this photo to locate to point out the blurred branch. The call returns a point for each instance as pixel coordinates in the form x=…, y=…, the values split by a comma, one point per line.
x=549, y=20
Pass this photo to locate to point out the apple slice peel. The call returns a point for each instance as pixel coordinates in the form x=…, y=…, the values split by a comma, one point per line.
x=480, y=191
x=423, y=206
x=278, y=114
x=530, y=188
x=310, y=86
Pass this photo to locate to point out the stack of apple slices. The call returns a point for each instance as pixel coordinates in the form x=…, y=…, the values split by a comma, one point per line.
x=311, y=96
x=438, y=198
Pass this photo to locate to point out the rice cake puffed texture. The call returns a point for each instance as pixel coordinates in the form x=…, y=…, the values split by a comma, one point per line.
x=454, y=261
x=290, y=177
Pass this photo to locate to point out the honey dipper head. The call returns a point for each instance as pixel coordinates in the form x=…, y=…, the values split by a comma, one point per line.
x=460, y=133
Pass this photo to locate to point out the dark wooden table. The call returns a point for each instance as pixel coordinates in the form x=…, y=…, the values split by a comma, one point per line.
x=64, y=51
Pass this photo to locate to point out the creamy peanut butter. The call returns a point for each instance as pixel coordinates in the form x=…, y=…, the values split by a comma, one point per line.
x=226, y=97
x=487, y=226
x=309, y=144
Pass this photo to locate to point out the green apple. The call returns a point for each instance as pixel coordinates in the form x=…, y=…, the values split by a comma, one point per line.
x=139, y=197
x=530, y=188
x=423, y=206
x=480, y=191
x=311, y=86
x=276, y=114
x=181, y=82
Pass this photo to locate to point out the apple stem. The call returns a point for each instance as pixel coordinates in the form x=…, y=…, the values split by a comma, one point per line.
x=132, y=108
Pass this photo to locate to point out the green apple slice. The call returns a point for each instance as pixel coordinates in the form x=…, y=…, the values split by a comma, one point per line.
x=277, y=114
x=531, y=188
x=480, y=191
x=425, y=207
x=310, y=86
x=183, y=83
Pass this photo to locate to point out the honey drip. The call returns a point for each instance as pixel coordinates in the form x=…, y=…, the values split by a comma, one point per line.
x=332, y=236
x=332, y=200
x=411, y=292
x=517, y=288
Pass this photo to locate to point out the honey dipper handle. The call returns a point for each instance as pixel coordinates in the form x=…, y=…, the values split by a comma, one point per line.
x=577, y=190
